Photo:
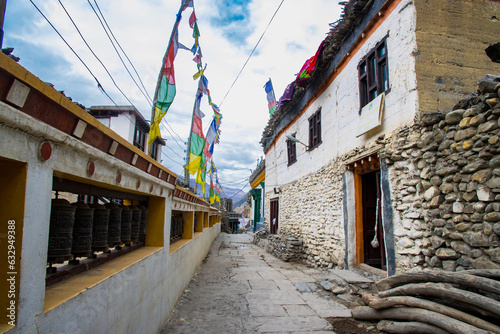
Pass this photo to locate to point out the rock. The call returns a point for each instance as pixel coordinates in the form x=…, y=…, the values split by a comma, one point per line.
x=454, y=117
x=495, y=162
x=477, y=120
x=461, y=247
x=476, y=239
x=488, y=126
x=464, y=134
x=482, y=176
x=447, y=254
x=449, y=265
x=484, y=194
x=431, y=193
x=326, y=285
x=458, y=207
x=496, y=228
x=492, y=217
x=437, y=241
x=473, y=167
x=494, y=254
x=484, y=262
x=431, y=119
x=488, y=83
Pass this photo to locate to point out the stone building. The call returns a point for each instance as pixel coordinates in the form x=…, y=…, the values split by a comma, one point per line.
x=389, y=178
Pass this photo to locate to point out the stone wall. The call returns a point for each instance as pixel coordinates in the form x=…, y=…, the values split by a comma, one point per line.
x=445, y=183
x=445, y=175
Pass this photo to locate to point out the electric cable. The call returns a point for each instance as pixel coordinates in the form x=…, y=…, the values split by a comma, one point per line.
x=125, y=54
x=251, y=53
x=74, y=52
x=92, y=51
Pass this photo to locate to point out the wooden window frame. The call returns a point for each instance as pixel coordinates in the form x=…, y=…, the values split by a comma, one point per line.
x=315, y=130
x=291, y=148
x=373, y=74
x=139, y=138
x=154, y=150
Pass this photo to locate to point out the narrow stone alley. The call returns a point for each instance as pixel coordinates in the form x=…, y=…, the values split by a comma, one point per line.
x=240, y=288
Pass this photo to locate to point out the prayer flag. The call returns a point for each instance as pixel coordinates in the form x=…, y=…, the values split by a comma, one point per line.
x=271, y=99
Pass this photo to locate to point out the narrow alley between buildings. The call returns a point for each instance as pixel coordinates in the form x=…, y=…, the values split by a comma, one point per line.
x=240, y=288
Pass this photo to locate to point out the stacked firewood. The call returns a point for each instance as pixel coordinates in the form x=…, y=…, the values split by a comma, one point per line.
x=435, y=302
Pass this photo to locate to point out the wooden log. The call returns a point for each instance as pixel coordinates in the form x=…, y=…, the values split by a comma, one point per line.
x=413, y=327
x=466, y=280
x=484, y=305
x=383, y=303
x=415, y=314
x=488, y=273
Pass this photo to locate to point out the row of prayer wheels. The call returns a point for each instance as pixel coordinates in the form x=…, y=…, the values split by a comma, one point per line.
x=79, y=230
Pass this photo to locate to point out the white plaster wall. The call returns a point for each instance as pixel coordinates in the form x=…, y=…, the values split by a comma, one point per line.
x=340, y=104
x=124, y=125
x=138, y=299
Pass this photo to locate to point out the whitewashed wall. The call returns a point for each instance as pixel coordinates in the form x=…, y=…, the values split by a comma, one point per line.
x=340, y=104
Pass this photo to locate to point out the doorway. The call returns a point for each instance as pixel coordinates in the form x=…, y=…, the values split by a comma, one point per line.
x=370, y=247
x=274, y=213
x=373, y=232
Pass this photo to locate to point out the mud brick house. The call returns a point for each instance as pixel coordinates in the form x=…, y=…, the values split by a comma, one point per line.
x=393, y=175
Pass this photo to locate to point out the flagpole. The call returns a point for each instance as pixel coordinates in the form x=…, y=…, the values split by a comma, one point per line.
x=184, y=5
x=186, y=171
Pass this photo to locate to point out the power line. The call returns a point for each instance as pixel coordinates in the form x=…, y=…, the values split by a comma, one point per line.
x=148, y=98
x=251, y=53
x=74, y=52
x=92, y=51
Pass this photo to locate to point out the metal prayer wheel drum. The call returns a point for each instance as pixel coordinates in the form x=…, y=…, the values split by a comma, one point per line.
x=115, y=225
x=100, y=228
x=136, y=222
x=62, y=219
x=82, y=230
x=126, y=225
x=144, y=221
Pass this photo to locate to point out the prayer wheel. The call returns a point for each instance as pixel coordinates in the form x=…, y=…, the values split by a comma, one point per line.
x=136, y=222
x=82, y=230
x=126, y=225
x=100, y=228
x=144, y=221
x=62, y=219
x=115, y=223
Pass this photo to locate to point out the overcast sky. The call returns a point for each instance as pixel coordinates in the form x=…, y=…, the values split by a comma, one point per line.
x=229, y=31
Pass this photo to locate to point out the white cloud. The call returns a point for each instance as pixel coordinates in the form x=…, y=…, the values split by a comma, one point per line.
x=143, y=30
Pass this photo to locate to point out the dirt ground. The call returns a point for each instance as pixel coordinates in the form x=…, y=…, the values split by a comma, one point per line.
x=351, y=326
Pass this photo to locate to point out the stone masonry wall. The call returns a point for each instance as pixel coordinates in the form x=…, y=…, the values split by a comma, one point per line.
x=445, y=174
x=445, y=185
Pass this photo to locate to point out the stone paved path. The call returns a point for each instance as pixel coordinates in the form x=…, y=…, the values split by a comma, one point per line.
x=242, y=289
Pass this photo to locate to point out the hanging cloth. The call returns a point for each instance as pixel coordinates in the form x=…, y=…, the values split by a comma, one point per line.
x=375, y=242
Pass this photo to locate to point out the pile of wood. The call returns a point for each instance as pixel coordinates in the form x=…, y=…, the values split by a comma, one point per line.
x=435, y=302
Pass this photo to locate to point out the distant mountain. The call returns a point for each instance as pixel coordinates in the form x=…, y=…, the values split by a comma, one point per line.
x=236, y=194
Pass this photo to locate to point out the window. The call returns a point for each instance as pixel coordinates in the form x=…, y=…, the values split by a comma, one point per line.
x=106, y=121
x=373, y=74
x=315, y=130
x=139, y=138
x=292, y=151
x=154, y=150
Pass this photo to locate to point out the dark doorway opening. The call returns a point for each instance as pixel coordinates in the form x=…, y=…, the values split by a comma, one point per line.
x=274, y=210
x=373, y=232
